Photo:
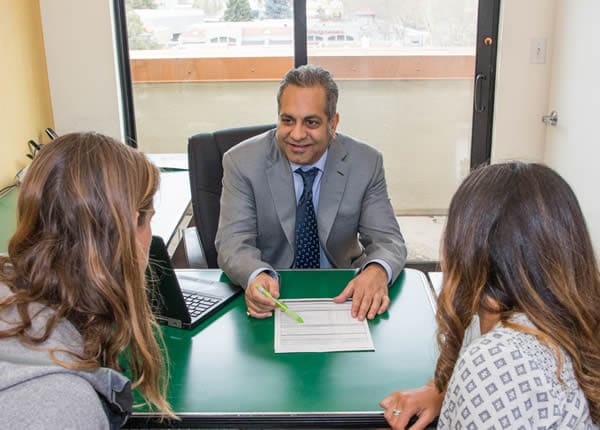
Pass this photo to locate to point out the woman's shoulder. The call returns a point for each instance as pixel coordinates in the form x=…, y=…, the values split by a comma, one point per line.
x=505, y=347
x=509, y=376
x=64, y=336
x=56, y=400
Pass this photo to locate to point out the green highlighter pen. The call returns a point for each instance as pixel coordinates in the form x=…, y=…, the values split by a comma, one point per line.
x=281, y=306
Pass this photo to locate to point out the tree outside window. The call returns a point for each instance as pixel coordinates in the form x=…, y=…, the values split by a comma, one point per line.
x=278, y=9
x=238, y=11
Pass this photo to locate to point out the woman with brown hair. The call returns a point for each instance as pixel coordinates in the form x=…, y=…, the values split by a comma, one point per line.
x=516, y=253
x=73, y=303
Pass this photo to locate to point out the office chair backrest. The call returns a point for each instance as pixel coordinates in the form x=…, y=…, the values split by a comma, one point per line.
x=205, y=156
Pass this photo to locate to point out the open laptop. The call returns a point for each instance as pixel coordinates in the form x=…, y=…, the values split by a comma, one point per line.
x=182, y=298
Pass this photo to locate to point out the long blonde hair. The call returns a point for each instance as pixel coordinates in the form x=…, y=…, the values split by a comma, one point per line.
x=515, y=233
x=75, y=250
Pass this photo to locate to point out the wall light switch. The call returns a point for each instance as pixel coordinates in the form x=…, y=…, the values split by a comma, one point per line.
x=537, y=53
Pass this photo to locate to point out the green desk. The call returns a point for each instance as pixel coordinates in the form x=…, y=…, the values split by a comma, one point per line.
x=225, y=373
x=8, y=218
x=436, y=281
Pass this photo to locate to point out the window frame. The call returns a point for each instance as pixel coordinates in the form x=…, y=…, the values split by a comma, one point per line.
x=488, y=14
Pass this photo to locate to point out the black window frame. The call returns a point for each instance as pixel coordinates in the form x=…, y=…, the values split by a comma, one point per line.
x=484, y=82
x=124, y=68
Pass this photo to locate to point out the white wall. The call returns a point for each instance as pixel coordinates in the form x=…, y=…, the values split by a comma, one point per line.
x=82, y=70
x=572, y=146
x=566, y=82
x=521, y=96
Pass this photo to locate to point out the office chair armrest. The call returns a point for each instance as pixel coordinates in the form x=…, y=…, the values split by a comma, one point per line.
x=194, y=251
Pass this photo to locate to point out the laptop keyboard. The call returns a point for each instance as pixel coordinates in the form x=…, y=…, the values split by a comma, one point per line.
x=197, y=304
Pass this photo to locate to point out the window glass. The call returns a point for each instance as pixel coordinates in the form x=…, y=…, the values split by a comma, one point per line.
x=405, y=70
x=404, y=67
x=202, y=65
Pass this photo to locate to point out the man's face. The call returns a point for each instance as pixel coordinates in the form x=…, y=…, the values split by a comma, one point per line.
x=303, y=130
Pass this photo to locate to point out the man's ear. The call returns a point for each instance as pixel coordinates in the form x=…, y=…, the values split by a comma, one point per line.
x=333, y=125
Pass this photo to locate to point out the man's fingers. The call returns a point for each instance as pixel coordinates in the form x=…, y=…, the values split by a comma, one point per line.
x=257, y=303
x=258, y=299
x=267, y=282
x=253, y=309
x=372, y=311
x=380, y=303
x=373, y=304
x=368, y=300
x=357, y=298
x=259, y=315
x=361, y=303
x=385, y=304
x=345, y=294
x=273, y=287
x=258, y=309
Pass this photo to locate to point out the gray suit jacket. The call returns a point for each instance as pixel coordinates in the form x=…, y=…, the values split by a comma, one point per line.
x=258, y=209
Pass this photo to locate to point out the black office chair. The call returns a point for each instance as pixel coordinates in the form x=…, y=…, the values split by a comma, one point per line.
x=205, y=156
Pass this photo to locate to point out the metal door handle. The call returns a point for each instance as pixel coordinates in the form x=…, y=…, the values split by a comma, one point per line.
x=478, y=102
x=551, y=119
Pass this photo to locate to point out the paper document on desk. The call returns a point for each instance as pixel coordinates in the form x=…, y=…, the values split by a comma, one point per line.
x=169, y=161
x=327, y=327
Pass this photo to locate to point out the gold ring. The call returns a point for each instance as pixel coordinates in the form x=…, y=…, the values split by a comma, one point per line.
x=396, y=412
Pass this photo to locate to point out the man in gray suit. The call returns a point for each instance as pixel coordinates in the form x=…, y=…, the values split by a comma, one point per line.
x=343, y=209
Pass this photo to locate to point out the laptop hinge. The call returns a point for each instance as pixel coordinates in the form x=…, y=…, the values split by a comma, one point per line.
x=172, y=322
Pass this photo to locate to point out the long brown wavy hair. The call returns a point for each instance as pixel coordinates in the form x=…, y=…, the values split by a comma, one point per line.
x=76, y=251
x=515, y=233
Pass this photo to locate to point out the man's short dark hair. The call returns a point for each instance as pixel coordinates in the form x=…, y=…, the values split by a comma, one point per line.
x=311, y=76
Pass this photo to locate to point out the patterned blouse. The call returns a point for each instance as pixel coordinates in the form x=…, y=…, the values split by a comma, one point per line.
x=506, y=379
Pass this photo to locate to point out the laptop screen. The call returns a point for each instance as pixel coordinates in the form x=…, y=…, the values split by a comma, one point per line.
x=184, y=297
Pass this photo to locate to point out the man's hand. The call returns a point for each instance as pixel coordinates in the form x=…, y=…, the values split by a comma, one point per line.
x=425, y=402
x=259, y=306
x=369, y=292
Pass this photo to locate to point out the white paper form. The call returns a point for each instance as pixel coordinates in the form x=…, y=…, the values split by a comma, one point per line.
x=169, y=161
x=327, y=327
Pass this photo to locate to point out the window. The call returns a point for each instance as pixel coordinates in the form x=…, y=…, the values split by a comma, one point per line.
x=405, y=69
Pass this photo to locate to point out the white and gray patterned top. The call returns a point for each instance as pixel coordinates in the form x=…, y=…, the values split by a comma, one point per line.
x=507, y=379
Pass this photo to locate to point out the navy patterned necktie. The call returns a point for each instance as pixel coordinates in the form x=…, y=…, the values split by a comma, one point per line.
x=307, y=232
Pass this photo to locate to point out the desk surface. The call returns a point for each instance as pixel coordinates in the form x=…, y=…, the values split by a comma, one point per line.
x=225, y=371
x=436, y=281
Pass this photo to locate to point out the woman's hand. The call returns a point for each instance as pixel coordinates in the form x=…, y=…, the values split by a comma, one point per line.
x=424, y=402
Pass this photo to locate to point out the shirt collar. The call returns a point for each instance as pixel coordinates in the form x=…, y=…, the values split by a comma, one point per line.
x=320, y=164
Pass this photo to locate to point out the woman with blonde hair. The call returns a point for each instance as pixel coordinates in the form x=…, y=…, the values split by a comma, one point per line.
x=516, y=253
x=73, y=303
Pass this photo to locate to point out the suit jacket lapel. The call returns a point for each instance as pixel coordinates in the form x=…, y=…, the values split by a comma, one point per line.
x=279, y=178
x=332, y=189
